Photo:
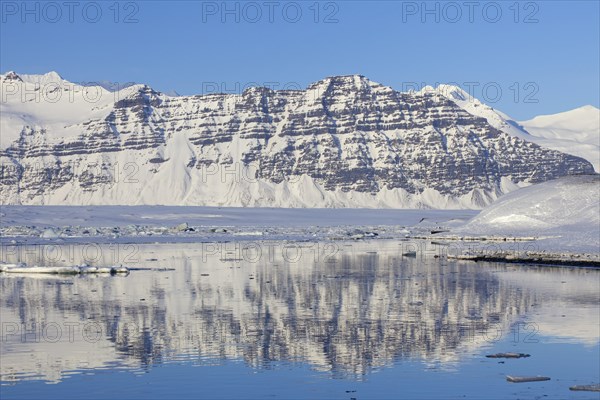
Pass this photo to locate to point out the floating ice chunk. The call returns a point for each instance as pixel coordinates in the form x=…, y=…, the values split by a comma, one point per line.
x=508, y=355
x=182, y=227
x=521, y=379
x=49, y=234
x=586, y=388
x=5, y=266
x=22, y=268
x=42, y=270
x=86, y=269
x=249, y=233
x=119, y=269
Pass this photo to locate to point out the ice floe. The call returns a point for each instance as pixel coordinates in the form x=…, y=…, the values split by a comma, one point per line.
x=22, y=268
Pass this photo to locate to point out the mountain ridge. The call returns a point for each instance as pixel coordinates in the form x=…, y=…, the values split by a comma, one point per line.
x=345, y=141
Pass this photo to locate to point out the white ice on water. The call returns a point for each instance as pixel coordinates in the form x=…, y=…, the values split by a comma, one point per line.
x=22, y=268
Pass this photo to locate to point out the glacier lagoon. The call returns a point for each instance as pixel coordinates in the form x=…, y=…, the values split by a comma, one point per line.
x=295, y=319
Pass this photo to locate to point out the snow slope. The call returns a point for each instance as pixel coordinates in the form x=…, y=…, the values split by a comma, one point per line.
x=567, y=210
x=575, y=132
x=52, y=103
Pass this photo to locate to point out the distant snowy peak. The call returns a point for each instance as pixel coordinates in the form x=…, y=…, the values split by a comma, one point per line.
x=55, y=78
x=108, y=85
x=581, y=124
x=452, y=92
x=568, y=116
x=10, y=76
x=575, y=132
x=50, y=77
x=172, y=93
x=51, y=104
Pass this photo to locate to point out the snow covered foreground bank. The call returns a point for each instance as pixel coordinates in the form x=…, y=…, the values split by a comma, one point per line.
x=563, y=216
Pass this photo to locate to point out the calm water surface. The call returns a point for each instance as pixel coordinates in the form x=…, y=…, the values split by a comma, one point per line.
x=294, y=320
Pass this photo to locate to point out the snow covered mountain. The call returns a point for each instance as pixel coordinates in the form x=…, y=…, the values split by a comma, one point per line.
x=575, y=132
x=345, y=141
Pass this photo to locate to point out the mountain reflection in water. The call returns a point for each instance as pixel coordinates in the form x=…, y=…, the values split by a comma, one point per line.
x=347, y=309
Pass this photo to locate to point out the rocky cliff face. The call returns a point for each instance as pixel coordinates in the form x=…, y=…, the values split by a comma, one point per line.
x=344, y=141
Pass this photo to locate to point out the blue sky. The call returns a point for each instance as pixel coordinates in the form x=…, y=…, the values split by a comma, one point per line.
x=525, y=59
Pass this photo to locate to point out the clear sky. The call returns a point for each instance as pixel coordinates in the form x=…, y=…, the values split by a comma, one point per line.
x=525, y=58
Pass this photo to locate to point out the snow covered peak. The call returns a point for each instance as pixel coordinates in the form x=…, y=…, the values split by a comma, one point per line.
x=172, y=93
x=350, y=81
x=344, y=88
x=451, y=92
x=352, y=78
x=108, y=85
x=256, y=90
x=587, y=108
x=50, y=77
x=454, y=92
x=10, y=76
x=576, y=132
x=581, y=118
